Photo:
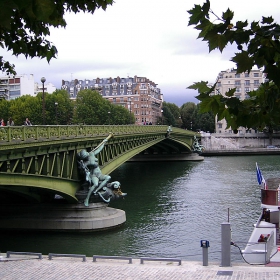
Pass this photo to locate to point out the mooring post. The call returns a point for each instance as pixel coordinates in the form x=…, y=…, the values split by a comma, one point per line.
x=204, y=244
x=225, y=243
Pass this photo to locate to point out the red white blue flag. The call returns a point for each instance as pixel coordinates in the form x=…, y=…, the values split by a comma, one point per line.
x=260, y=178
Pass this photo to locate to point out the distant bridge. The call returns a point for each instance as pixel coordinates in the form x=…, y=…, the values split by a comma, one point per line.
x=37, y=162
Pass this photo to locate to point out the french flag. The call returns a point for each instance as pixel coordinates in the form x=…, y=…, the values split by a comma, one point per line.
x=260, y=178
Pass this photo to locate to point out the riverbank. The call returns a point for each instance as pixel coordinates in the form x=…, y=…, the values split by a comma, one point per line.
x=241, y=152
x=74, y=268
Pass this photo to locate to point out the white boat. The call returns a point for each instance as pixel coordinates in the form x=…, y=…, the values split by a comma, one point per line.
x=264, y=241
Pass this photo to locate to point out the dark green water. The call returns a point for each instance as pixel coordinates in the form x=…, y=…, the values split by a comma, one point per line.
x=170, y=207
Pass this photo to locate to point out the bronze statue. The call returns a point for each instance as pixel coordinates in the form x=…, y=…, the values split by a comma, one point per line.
x=196, y=146
x=92, y=177
x=111, y=192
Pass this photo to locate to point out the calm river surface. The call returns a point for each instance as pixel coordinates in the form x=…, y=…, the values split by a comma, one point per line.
x=170, y=207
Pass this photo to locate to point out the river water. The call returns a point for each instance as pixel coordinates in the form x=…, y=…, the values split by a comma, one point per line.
x=170, y=207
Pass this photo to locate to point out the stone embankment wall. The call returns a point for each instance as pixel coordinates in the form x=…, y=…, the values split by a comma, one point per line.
x=216, y=141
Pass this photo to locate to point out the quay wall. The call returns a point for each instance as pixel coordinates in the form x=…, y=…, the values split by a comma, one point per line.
x=240, y=144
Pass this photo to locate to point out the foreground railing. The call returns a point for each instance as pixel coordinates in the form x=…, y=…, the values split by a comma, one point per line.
x=31, y=133
x=25, y=133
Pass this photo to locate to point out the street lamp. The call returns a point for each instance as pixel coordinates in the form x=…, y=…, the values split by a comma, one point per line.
x=43, y=79
x=56, y=104
x=109, y=116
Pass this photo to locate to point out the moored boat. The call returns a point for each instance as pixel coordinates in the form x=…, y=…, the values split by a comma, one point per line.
x=264, y=240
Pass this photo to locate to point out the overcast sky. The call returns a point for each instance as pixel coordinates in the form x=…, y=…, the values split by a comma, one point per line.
x=149, y=38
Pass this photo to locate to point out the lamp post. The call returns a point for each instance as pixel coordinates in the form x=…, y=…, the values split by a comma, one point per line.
x=43, y=79
x=109, y=116
x=56, y=104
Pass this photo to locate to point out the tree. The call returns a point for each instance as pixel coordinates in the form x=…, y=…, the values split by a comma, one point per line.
x=25, y=24
x=59, y=108
x=167, y=116
x=257, y=45
x=91, y=108
x=175, y=111
x=4, y=109
x=205, y=121
x=121, y=115
x=188, y=114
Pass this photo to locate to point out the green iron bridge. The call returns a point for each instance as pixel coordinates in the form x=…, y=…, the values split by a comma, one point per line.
x=37, y=162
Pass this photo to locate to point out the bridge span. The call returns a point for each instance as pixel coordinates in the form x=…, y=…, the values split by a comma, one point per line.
x=37, y=162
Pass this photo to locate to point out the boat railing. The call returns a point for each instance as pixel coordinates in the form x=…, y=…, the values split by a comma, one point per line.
x=269, y=246
x=259, y=252
x=270, y=197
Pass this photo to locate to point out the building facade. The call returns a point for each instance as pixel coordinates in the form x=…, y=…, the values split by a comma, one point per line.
x=243, y=83
x=48, y=87
x=16, y=86
x=139, y=95
x=19, y=85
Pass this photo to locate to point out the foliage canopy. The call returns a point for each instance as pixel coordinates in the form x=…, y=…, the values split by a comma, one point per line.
x=258, y=45
x=24, y=25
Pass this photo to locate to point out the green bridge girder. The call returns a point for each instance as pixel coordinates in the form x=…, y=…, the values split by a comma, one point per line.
x=37, y=162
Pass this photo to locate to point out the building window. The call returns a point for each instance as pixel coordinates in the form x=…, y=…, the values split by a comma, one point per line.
x=247, y=82
x=256, y=74
x=220, y=125
x=237, y=75
x=247, y=75
x=256, y=82
x=237, y=83
x=247, y=89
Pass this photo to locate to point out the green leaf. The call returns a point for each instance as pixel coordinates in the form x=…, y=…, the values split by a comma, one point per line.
x=267, y=20
x=243, y=61
x=198, y=13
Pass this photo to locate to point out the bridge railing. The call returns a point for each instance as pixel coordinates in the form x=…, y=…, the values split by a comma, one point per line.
x=51, y=132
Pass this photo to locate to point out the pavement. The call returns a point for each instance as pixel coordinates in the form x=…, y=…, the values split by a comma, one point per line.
x=68, y=268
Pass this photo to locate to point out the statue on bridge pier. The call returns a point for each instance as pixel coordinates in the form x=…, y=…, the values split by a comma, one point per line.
x=198, y=148
x=93, y=180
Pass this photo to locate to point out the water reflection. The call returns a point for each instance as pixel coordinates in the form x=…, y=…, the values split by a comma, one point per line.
x=170, y=207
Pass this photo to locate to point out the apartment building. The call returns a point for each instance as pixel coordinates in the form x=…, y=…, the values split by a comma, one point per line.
x=139, y=95
x=12, y=87
x=243, y=83
x=48, y=87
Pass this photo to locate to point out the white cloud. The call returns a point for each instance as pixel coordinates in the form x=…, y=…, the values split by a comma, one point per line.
x=148, y=38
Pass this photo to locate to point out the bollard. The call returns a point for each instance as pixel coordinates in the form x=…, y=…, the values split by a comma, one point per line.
x=226, y=247
x=204, y=244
